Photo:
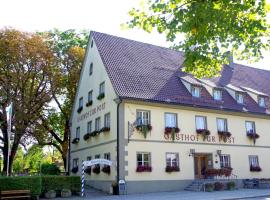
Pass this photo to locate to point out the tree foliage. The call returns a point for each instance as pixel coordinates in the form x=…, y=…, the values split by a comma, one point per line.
x=26, y=68
x=53, y=126
x=210, y=28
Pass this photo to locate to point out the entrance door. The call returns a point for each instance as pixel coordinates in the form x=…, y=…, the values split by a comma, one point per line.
x=201, y=164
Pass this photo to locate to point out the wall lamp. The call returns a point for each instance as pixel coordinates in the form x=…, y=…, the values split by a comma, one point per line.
x=219, y=152
x=192, y=152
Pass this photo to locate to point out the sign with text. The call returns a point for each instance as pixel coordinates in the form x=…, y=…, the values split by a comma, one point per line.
x=91, y=112
x=97, y=162
x=197, y=138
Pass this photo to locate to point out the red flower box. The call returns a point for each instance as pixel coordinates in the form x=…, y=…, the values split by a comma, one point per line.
x=203, y=131
x=225, y=133
x=143, y=168
x=169, y=130
x=255, y=168
x=106, y=169
x=170, y=169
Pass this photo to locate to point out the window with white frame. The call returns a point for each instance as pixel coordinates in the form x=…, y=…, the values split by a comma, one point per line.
x=81, y=102
x=170, y=120
x=200, y=122
x=97, y=156
x=90, y=95
x=261, y=101
x=143, y=159
x=172, y=160
x=97, y=124
x=107, y=156
x=217, y=94
x=89, y=127
x=239, y=98
x=250, y=127
x=143, y=117
x=107, y=120
x=91, y=69
x=195, y=91
x=253, y=161
x=89, y=158
x=222, y=124
x=78, y=132
x=102, y=88
x=225, y=161
x=75, y=162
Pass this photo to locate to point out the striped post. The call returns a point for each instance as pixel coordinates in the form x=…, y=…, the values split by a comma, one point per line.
x=82, y=193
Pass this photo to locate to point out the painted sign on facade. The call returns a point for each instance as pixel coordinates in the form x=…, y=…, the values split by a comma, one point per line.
x=91, y=112
x=198, y=138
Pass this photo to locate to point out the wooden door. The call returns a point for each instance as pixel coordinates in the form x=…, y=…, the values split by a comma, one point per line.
x=200, y=166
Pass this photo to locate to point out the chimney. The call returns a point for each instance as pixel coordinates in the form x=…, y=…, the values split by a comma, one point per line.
x=229, y=56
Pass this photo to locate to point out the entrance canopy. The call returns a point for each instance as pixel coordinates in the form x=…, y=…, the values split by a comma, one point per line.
x=97, y=161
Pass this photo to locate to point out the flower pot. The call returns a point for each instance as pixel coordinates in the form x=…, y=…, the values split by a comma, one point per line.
x=51, y=194
x=65, y=193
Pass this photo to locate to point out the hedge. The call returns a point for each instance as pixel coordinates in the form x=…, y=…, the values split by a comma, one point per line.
x=40, y=184
x=32, y=183
x=58, y=183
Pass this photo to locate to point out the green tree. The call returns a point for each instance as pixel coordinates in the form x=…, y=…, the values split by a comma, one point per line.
x=210, y=28
x=53, y=126
x=18, y=163
x=26, y=69
x=33, y=159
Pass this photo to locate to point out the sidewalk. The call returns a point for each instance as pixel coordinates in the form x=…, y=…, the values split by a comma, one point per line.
x=181, y=195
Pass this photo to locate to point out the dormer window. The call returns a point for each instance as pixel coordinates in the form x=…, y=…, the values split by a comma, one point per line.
x=217, y=94
x=261, y=101
x=196, y=91
x=239, y=98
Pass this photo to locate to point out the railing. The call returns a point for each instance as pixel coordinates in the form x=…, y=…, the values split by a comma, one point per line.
x=231, y=177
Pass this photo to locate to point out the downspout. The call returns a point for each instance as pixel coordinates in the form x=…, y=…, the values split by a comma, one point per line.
x=118, y=101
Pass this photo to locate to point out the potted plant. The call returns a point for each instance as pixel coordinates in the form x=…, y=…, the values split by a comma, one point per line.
x=96, y=169
x=75, y=140
x=255, y=168
x=203, y=132
x=253, y=136
x=94, y=133
x=106, y=169
x=87, y=136
x=218, y=186
x=172, y=131
x=65, y=193
x=144, y=129
x=88, y=170
x=144, y=168
x=89, y=103
x=224, y=135
x=231, y=185
x=100, y=96
x=209, y=187
x=170, y=169
x=79, y=110
x=105, y=129
x=115, y=188
x=75, y=169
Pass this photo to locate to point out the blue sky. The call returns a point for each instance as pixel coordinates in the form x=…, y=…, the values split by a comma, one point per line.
x=104, y=16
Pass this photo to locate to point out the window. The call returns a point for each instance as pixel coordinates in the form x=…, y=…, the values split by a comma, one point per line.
x=97, y=156
x=143, y=159
x=217, y=94
x=170, y=120
x=195, y=91
x=92, y=43
x=107, y=120
x=81, y=102
x=89, y=127
x=172, y=159
x=253, y=161
x=225, y=161
x=261, y=101
x=78, y=132
x=239, y=98
x=200, y=122
x=97, y=124
x=75, y=162
x=91, y=69
x=102, y=88
x=143, y=117
x=250, y=127
x=222, y=124
x=90, y=95
x=89, y=158
x=107, y=156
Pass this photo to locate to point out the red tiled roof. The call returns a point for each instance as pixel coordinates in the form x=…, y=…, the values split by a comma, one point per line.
x=151, y=73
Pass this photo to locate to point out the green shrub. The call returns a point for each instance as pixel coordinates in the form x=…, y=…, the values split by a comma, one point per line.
x=209, y=187
x=231, y=185
x=218, y=186
x=32, y=183
x=58, y=183
x=50, y=169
